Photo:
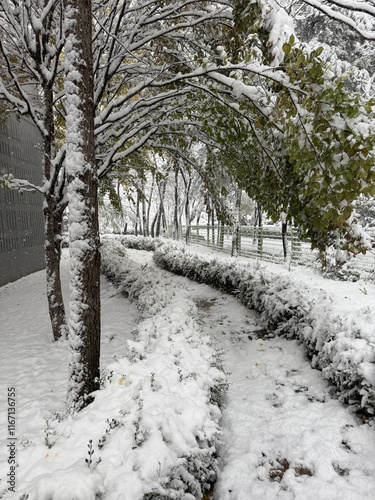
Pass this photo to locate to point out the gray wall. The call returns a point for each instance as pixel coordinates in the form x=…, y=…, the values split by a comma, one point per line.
x=21, y=215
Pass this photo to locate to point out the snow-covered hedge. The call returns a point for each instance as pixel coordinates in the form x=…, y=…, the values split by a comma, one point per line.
x=343, y=348
x=186, y=381
x=137, y=242
x=151, y=431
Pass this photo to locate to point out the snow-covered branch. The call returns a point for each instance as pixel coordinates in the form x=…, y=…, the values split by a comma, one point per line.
x=20, y=185
x=345, y=18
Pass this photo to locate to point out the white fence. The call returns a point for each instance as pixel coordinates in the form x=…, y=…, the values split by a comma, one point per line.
x=265, y=243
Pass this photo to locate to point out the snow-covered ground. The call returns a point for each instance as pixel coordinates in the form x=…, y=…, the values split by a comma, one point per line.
x=284, y=436
x=346, y=295
x=38, y=367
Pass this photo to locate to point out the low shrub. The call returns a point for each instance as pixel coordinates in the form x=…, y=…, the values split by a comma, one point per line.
x=342, y=348
x=182, y=380
x=152, y=429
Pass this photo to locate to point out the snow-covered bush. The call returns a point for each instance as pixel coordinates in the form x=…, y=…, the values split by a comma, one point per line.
x=137, y=242
x=186, y=378
x=341, y=273
x=343, y=348
x=151, y=431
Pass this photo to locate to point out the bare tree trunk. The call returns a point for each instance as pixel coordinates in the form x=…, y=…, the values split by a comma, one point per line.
x=84, y=323
x=180, y=223
x=149, y=206
x=158, y=222
x=260, y=231
x=122, y=208
x=162, y=186
x=176, y=235
x=257, y=220
x=164, y=220
x=187, y=204
x=52, y=250
x=153, y=224
x=137, y=228
x=53, y=229
x=162, y=208
x=284, y=238
x=220, y=234
x=187, y=211
x=236, y=225
x=144, y=212
x=208, y=224
x=213, y=225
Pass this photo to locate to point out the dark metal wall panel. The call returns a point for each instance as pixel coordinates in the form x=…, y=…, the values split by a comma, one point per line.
x=21, y=214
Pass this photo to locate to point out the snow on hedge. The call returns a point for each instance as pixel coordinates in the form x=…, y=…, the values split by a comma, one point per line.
x=343, y=348
x=151, y=431
x=137, y=242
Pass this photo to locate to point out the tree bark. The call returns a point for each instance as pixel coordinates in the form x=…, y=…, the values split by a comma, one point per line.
x=52, y=227
x=144, y=212
x=213, y=225
x=84, y=322
x=52, y=250
x=149, y=206
x=258, y=230
x=284, y=238
x=153, y=224
x=158, y=222
x=221, y=234
x=162, y=186
x=137, y=228
x=176, y=235
x=236, y=225
x=187, y=211
x=187, y=184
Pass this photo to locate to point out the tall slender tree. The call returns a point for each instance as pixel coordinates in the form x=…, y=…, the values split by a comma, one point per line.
x=81, y=171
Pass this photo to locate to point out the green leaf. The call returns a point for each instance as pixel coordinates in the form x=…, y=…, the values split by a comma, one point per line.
x=287, y=48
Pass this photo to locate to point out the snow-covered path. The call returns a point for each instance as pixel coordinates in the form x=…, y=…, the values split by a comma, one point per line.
x=284, y=437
